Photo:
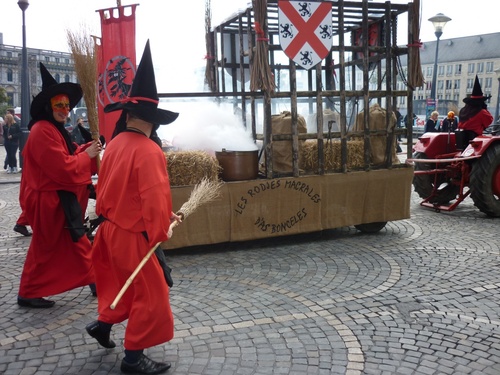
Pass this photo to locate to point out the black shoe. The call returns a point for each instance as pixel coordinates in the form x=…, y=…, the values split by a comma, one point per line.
x=144, y=365
x=38, y=303
x=102, y=338
x=22, y=230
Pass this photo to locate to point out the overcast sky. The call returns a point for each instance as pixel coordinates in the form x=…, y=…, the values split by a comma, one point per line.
x=176, y=27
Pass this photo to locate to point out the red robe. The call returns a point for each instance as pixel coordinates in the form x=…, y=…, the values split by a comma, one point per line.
x=477, y=123
x=133, y=194
x=54, y=263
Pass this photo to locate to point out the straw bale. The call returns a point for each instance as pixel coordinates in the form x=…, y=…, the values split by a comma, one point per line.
x=332, y=150
x=190, y=167
x=378, y=143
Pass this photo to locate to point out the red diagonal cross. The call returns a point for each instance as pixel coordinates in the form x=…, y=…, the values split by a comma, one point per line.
x=306, y=29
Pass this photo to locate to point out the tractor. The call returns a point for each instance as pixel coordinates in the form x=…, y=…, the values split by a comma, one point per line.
x=448, y=169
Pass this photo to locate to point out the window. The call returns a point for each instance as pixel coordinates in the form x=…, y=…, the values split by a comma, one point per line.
x=458, y=69
x=10, y=75
x=448, y=84
x=9, y=54
x=470, y=83
x=470, y=68
x=66, y=78
x=57, y=60
x=441, y=70
x=47, y=58
x=488, y=82
x=449, y=70
x=440, y=84
x=489, y=67
x=57, y=77
x=456, y=84
x=429, y=71
x=66, y=61
x=480, y=67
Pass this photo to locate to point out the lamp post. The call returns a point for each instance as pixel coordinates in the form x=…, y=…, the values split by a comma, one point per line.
x=438, y=21
x=497, y=72
x=25, y=87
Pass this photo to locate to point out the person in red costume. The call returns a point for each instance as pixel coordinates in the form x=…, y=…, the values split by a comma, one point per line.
x=134, y=202
x=56, y=179
x=474, y=116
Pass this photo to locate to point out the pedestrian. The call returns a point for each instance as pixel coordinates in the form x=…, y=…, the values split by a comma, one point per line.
x=1, y=138
x=54, y=193
x=474, y=116
x=76, y=134
x=432, y=124
x=134, y=201
x=449, y=123
x=11, y=135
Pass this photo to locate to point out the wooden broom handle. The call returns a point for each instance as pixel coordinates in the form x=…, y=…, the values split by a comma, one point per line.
x=138, y=269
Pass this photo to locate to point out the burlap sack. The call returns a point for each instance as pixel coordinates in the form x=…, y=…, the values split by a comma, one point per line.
x=378, y=142
x=282, y=150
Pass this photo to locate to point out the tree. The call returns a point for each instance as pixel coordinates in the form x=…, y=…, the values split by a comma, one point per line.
x=4, y=99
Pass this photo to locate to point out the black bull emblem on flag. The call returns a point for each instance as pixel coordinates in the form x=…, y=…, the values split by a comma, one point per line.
x=305, y=30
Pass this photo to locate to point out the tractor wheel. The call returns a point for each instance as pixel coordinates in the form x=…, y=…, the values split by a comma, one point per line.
x=485, y=182
x=424, y=183
x=371, y=227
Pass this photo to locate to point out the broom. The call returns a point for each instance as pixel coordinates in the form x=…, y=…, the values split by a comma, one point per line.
x=82, y=47
x=204, y=192
x=261, y=76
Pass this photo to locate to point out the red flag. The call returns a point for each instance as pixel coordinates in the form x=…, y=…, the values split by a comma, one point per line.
x=116, y=69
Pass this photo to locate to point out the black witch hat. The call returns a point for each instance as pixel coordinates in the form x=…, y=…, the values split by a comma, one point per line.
x=143, y=98
x=51, y=88
x=477, y=96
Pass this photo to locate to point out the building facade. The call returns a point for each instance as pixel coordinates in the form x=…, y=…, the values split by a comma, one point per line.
x=459, y=61
x=59, y=64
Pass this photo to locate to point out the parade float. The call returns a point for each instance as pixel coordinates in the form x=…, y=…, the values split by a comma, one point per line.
x=315, y=84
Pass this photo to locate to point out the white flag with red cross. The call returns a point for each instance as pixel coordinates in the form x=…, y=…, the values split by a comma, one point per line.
x=305, y=29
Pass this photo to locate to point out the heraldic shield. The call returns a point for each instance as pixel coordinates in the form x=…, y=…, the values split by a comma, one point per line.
x=305, y=30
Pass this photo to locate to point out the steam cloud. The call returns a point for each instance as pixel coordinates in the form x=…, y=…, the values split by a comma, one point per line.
x=208, y=127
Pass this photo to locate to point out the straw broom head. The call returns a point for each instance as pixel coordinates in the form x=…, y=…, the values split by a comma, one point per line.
x=204, y=192
x=82, y=47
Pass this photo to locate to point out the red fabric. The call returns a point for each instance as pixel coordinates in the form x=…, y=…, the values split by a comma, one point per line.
x=117, y=62
x=477, y=123
x=54, y=263
x=133, y=193
x=22, y=220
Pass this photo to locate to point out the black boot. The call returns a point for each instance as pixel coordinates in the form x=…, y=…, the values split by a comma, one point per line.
x=144, y=365
x=102, y=337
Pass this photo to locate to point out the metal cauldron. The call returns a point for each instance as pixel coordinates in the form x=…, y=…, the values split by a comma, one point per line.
x=238, y=165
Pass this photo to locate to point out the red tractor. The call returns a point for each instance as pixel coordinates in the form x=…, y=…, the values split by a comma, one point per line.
x=446, y=174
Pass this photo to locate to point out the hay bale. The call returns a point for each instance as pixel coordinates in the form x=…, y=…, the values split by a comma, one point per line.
x=332, y=150
x=190, y=167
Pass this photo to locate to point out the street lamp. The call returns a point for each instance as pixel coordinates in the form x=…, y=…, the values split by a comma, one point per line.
x=25, y=87
x=438, y=21
x=497, y=72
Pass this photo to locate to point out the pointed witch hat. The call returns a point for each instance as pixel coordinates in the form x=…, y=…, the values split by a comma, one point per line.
x=51, y=88
x=477, y=96
x=143, y=98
